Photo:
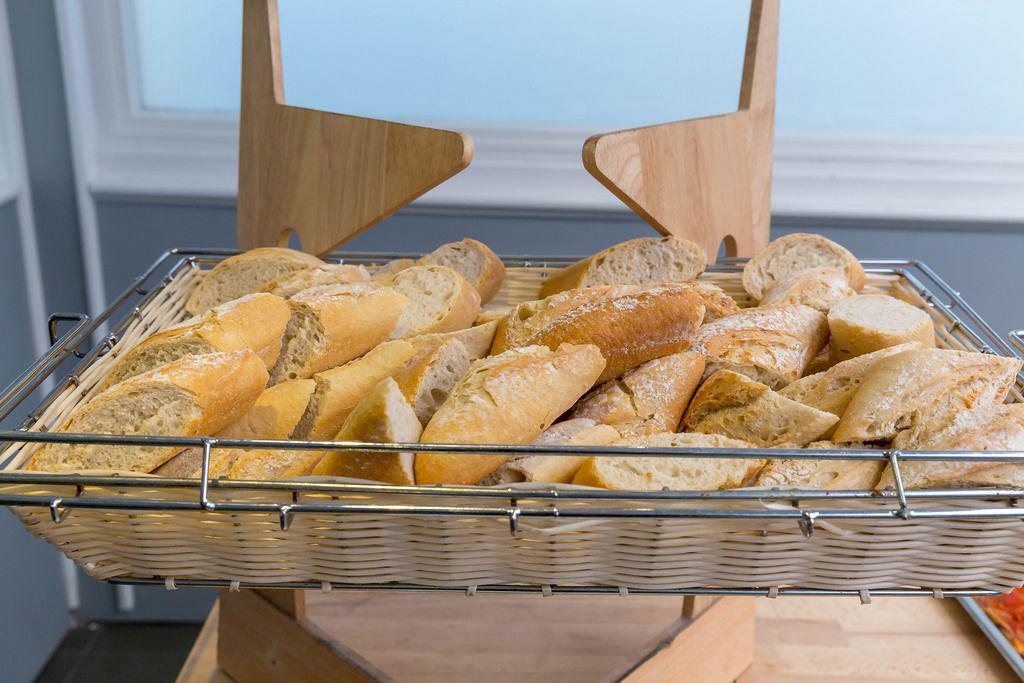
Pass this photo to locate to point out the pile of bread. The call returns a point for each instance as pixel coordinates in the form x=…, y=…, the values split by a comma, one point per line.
x=624, y=348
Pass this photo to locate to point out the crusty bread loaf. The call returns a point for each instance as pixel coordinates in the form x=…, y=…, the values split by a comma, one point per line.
x=329, y=274
x=834, y=475
x=192, y=396
x=791, y=254
x=273, y=416
x=332, y=324
x=508, y=398
x=674, y=474
x=771, y=345
x=429, y=377
x=736, y=406
x=820, y=288
x=921, y=385
x=384, y=416
x=641, y=261
x=255, y=322
x=340, y=389
x=717, y=304
x=439, y=300
x=648, y=399
x=868, y=322
x=246, y=273
x=631, y=325
x=833, y=389
x=555, y=468
x=474, y=261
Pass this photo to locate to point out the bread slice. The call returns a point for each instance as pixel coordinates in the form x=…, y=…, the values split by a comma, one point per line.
x=255, y=322
x=819, y=288
x=429, y=378
x=384, y=416
x=264, y=465
x=648, y=399
x=917, y=386
x=340, y=389
x=386, y=271
x=191, y=396
x=332, y=324
x=833, y=475
x=717, y=304
x=474, y=261
x=558, y=469
x=671, y=473
x=868, y=322
x=641, y=261
x=797, y=252
x=439, y=300
x=771, y=345
x=631, y=325
x=476, y=339
x=327, y=274
x=273, y=416
x=508, y=398
x=736, y=406
x=246, y=273
x=833, y=389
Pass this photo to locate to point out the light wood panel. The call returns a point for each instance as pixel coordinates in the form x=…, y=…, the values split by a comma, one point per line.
x=706, y=179
x=326, y=176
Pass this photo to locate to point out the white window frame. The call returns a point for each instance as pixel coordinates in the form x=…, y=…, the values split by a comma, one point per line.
x=127, y=151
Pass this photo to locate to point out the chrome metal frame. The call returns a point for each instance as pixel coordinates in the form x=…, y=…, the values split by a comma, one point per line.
x=511, y=503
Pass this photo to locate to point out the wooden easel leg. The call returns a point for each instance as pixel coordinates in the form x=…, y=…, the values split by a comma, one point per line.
x=263, y=635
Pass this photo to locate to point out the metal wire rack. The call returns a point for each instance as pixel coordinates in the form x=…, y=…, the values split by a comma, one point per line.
x=807, y=508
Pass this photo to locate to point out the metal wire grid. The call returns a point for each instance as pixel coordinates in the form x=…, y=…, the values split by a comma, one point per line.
x=965, y=329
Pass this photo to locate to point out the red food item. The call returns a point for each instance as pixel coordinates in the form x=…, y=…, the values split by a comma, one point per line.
x=1008, y=612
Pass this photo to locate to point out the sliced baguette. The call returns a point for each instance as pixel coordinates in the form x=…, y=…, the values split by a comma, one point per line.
x=917, y=386
x=671, y=473
x=820, y=288
x=630, y=325
x=835, y=475
x=508, y=398
x=439, y=300
x=192, y=396
x=868, y=322
x=429, y=378
x=771, y=345
x=717, y=304
x=474, y=261
x=794, y=253
x=264, y=465
x=555, y=468
x=328, y=274
x=332, y=324
x=246, y=273
x=641, y=261
x=648, y=399
x=387, y=271
x=736, y=406
x=383, y=416
x=476, y=339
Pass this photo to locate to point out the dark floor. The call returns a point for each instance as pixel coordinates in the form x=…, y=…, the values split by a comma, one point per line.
x=120, y=652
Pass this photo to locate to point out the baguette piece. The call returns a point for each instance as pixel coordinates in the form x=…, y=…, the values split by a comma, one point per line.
x=476, y=339
x=631, y=325
x=474, y=261
x=868, y=322
x=648, y=399
x=508, y=398
x=333, y=324
x=328, y=274
x=641, y=261
x=556, y=469
x=717, y=304
x=771, y=345
x=819, y=288
x=386, y=271
x=264, y=465
x=834, y=475
x=255, y=322
x=797, y=252
x=439, y=300
x=246, y=273
x=273, y=416
x=673, y=474
x=736, y=406
x=191, y=396
x=914, y=387
x=833, y=389
x=384, y=416
x=430, y=376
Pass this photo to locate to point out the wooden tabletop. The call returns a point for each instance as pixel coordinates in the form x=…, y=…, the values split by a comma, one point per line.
x=798, y=639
